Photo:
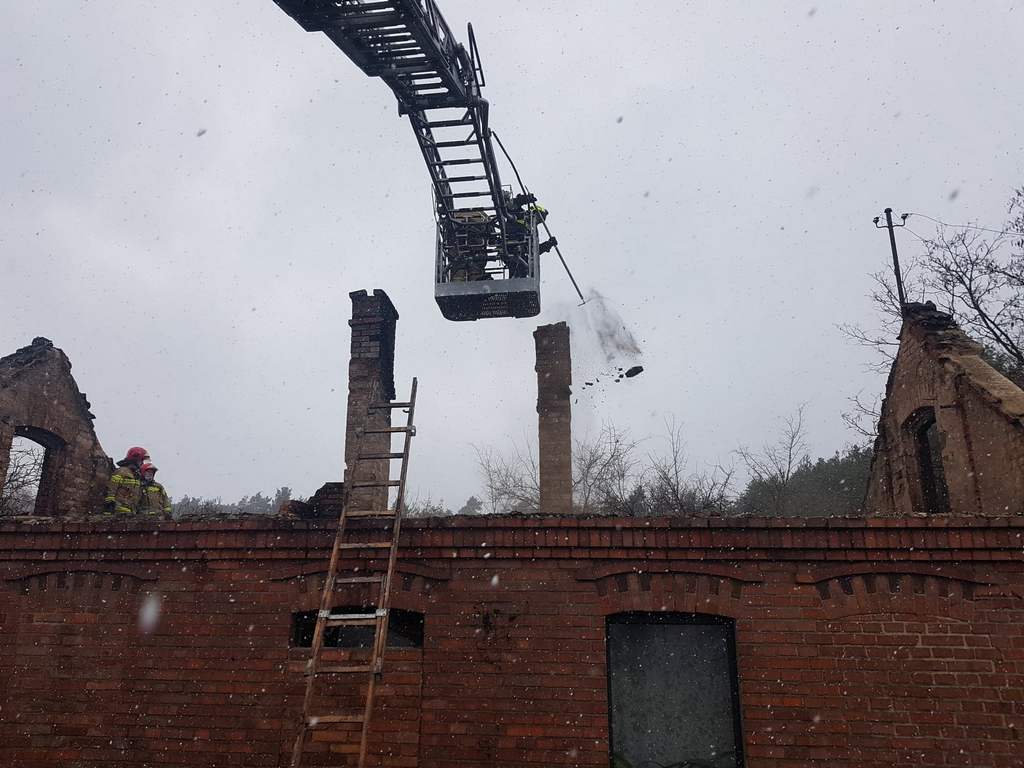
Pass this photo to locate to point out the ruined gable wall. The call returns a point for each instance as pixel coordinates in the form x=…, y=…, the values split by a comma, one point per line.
x=40, y=399
x=859, y=642
x=980, y=414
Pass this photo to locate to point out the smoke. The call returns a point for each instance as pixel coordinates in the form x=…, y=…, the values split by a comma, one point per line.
x=617, y=342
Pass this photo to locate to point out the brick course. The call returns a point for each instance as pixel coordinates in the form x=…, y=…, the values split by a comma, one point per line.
x=860, y=643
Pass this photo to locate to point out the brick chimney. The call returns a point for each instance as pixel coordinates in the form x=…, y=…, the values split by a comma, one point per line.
x=371, y=379
x=554, y=412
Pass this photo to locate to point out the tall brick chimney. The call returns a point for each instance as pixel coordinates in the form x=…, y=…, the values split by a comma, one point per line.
x=371, y=379
x=554, y=412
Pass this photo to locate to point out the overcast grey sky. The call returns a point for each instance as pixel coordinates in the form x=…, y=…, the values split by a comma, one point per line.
x=711, y=167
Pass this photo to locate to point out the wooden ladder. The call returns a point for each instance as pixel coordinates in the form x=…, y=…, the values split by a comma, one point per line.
x=375, y=616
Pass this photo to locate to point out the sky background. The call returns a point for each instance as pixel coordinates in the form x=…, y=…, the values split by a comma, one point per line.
x=711, y=168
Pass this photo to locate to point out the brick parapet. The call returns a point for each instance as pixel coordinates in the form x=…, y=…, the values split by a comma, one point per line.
x=559, y=538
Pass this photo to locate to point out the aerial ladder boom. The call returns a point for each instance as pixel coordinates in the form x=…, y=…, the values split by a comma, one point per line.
x=487, y=261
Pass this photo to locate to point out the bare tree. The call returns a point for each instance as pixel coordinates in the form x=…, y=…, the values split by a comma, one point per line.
x=975, y=275
x=773, y=466
x=674, y=491
x=607, y=473
x=511, y=484
x=23, y=475
x=427, y=508
x=863, y=416
x=611, y=477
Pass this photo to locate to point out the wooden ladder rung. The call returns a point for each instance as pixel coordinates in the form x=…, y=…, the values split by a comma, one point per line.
x=351, y=622
x=375, y=579
x=371, y=513
x=372, y=456
x=385, y=406
x=366, y=545
x=378, y=484
x=389, y=430
x=341, y=669
x=314, y=721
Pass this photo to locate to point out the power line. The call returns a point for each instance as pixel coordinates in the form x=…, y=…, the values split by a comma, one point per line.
x=968, y=226
x=922, y=239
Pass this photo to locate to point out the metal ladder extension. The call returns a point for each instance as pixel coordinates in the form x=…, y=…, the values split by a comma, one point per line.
x=437, y=81
x=377, y=617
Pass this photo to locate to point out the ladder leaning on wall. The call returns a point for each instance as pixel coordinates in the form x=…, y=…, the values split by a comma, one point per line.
x=375, y=616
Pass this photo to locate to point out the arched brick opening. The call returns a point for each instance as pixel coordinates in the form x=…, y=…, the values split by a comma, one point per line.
x=19, y=485
x=53, y=460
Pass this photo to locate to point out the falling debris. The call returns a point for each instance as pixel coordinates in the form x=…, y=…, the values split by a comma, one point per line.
x=615, y=338
x=636, y=370
x=201, y=132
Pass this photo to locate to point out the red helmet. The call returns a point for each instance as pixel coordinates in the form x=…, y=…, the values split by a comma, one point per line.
x=147, y=468
x=136, y=455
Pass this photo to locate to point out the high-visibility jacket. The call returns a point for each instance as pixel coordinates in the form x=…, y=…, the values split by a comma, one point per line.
x=155, y=501
x=539, y=210
x=125, y=491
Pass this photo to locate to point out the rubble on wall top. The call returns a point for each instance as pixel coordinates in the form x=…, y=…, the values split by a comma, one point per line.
x=40, y=351
x=963, y=355
x=37, y=350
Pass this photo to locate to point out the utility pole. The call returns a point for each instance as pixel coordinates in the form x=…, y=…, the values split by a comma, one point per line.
x=895, y=256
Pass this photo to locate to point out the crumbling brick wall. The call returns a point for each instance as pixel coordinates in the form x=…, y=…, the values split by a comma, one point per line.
x=40, y=400
x=939, y=374
x=859, y=643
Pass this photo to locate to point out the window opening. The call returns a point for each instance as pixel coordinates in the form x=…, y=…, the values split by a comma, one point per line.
x=405, y=629
x=673, y=691
x=20, y=490
x=931, y=473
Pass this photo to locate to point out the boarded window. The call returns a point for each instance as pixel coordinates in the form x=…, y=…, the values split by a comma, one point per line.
x=405, y=630
x=673, y=694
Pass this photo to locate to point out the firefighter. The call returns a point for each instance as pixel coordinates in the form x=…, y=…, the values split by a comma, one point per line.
x=125, y=488
x=519, y=231
x=155, y=501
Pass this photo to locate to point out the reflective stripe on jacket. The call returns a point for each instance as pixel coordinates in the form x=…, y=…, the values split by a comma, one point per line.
x=125, y=491
x=155, y=501
x=536, y=208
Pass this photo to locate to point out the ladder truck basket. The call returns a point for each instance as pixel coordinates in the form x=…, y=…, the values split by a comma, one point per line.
x=482, y=272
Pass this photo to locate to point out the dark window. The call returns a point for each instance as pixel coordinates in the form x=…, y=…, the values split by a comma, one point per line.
x=405, y=630
x=673, y=693
x=931, y=474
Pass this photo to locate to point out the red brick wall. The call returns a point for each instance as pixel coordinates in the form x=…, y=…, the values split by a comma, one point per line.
x=860, y=644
